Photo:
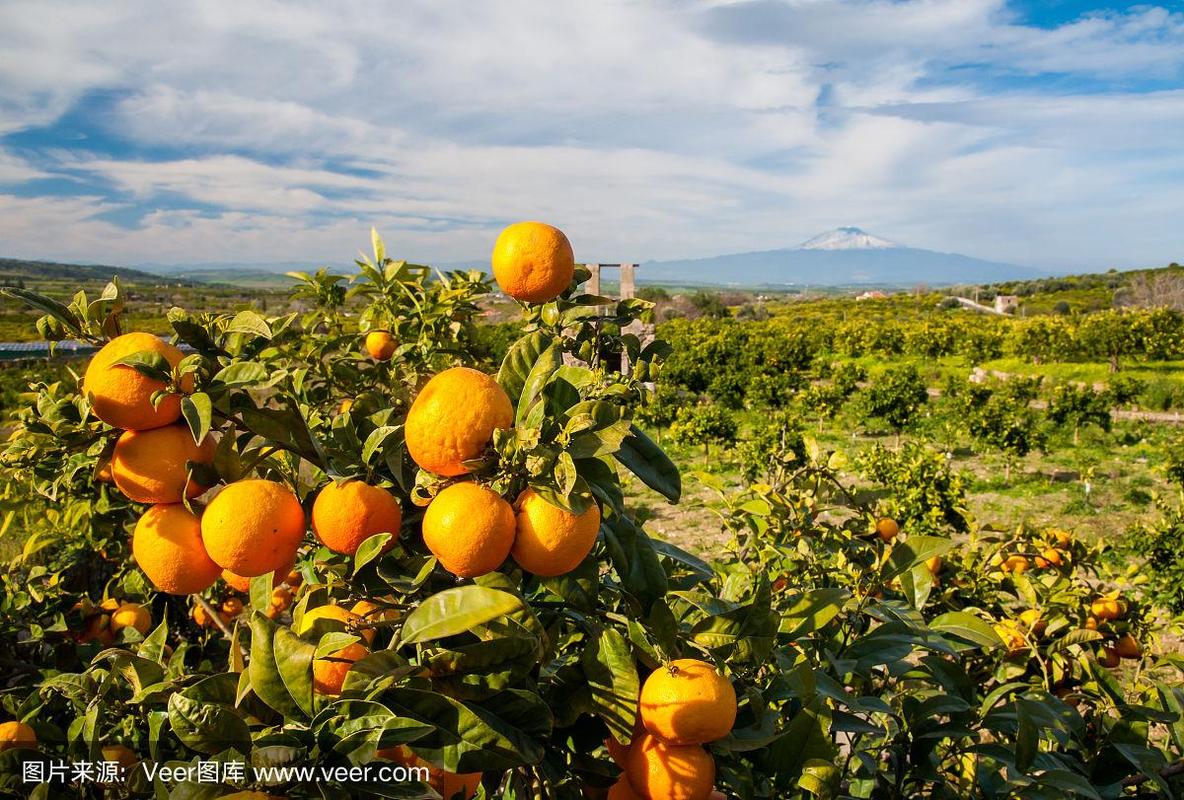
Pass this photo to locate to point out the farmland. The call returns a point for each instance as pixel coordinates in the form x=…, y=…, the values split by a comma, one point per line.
x=908, y=548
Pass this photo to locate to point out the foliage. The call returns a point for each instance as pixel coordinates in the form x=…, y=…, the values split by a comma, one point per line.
x=704, y=424
x=1074, y=407
x=924, y=493
x=896, y=396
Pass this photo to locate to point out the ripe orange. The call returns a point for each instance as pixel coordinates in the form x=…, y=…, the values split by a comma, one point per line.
x=623, y=790
x=533, y=261
x=1091, y=624
x=1016, y=564
x=125, y=757
x=1109, y=658
x=241, y=583
x=668, y=771
x=121, y=396
x=1049, y=557
x=281, y=600
x=934, y=565
x=346, y=514
x=453, y=418
x=469, y=528
x=1062, y=538
x=253, y=527
x=150, y=466
x=1106, y=609
x=168, y=547
x=16, y=734
x=131, y=615
x=887, y=529
x=688, y=702
x=328, y=672
x=550, y=540
x=449, y=785
x=201, y=616
x=373, y=612
x=380, y=345
x=232, y=607
x=1128, y=646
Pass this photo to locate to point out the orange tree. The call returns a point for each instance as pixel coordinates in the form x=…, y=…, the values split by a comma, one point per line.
x=410, y=556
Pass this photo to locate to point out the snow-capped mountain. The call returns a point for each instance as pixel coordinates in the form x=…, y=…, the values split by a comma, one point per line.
x=842, y=257
x=847, y=238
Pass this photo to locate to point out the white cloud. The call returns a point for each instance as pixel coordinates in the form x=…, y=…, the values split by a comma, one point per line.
x=646, y=129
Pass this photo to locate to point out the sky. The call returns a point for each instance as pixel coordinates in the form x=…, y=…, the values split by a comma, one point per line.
x=1048, y=134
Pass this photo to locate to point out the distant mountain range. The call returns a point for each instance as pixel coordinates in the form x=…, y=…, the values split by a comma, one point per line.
x=841, y=257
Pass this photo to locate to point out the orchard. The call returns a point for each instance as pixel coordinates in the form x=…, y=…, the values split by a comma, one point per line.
x=342, y=537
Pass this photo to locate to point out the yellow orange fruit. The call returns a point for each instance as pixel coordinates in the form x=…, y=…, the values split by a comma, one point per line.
x=124, y=756
x=201, y=616
x=887, y=528
x=232, y=607
x=131, y=615
x=1128, y=646
x=453, y=418
x=120, y=395
x=1034, y=621
x=1106, y=609
x=533, y=261
x=346, y=514
x=168, y=547
x=688, y=702
x=469, y=528
x=449, y=785
x=151, y=466
x=1091, y=624
x=380, y=345
x=1062, y=538
x=345, y=406
x=328, y=672
x=110, y=604
x=16, y=734
x=551, y=540
x=669, y=771
x=253, y=527
x=373, y=612
x=281, y=601
x=934, y=565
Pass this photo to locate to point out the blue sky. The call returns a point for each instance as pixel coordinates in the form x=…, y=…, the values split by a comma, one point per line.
x=1044, y=133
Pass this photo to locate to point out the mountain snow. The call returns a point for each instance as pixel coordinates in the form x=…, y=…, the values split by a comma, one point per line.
x=846, y=239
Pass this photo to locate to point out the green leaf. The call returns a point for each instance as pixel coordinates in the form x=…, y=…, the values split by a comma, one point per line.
x=199, y=413
x=456, y=610
x=612, y=679
x=242, y=373
x=548, y=361
x=377, y=439
x=371, y=548
x=266, y=681
x=812, y=610
x=519, y=360
x=293, y=659
x=260, y=589
x=806, y=738
x=968, y=627
x=635, y=560
x=917, y=550
x=648, y=462
x=46, y=304
x=249, y=322
x=149, y=363
x=207, y=727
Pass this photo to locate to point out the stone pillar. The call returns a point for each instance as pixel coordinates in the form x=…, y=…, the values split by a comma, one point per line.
x=594, y=281
x=627, y=281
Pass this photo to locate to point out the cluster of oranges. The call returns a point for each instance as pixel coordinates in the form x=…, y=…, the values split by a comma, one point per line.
x=1054, y=553
x=102, y=623
x=1103, y=611
x=683, y=705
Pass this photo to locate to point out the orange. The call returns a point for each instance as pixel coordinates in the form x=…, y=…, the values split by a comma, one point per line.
x=551, y=540
x=202, y=617
x=120, y=395
x=380, y=345
x=346, y=514
x=345, y=406
x=1049, y=557
x=241, y=583
x=125, y=757
x=453, y=418
x=887, y=529
x=150, y=466
x=623, y=790
x=1106, y=609
x=168, y=547
x=1016, y=564
x=1034, y=621
x=232, y=607
x=131, y=615
x=671, y=772
x=1091, y=624
x=328, y=672
x=1063, y=538
x=688, y=702
x=933, y=565
x=469, y=528
x=373, y=612
x=1128, y=647
x=15, y=735
x=281, y=600
x=97, y=628
x=1012, y=636
x=1109, y=658
x=253, y=527
x=449, y=785
x=533, y=262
